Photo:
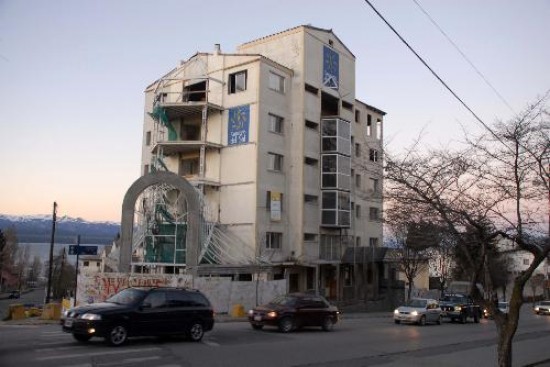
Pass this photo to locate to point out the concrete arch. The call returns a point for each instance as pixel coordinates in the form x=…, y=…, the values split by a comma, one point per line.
x=193, y=216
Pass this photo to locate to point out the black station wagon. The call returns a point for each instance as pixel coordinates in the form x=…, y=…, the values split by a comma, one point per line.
x=142, y=312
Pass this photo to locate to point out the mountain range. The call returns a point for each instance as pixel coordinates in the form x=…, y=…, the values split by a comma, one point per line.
x=38, y=229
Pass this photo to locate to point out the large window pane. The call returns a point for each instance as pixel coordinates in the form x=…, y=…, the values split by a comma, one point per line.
x=329, y=128
x=329, y=200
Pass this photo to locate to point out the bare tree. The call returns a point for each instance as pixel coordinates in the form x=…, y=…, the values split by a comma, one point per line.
x=411, y=247
x=536, y=282
x=22, y=264
x=494, y=187
x=8, y=249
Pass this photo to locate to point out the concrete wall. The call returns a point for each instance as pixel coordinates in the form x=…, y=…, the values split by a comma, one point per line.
x=223, y=293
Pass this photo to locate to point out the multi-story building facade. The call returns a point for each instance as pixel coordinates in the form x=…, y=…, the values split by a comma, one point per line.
x=288, y=161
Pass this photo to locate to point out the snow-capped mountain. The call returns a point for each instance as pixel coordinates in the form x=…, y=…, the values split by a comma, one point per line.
x=38, y=229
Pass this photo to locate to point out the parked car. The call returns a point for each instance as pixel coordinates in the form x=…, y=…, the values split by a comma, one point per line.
x=142, y=312
x=502, y=306
x=294, y=311
x=419, y=311
x=14, y=295
x=460, y=307
x=542, y=307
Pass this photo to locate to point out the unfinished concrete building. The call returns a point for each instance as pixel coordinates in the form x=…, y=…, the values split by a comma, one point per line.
x=287, y=163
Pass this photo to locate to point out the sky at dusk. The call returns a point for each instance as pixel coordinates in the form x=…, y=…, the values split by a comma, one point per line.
x=72, y=76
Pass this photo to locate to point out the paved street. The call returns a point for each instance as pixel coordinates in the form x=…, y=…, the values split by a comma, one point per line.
x=359, y=340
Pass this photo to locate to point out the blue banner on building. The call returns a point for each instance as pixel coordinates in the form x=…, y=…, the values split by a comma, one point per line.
x=239, y=122
x=331, y=68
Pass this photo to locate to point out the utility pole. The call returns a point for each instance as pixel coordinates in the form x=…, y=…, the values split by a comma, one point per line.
x=54, y=218
x=76, y=268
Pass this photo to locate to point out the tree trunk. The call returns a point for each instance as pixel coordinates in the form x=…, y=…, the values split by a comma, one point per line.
x=504, y=346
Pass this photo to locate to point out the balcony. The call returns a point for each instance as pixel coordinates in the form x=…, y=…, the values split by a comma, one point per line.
x=182, y=146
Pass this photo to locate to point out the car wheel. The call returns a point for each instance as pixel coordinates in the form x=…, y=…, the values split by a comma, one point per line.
x=422, y=320
x=82, y=338
x=117, y=336
x=397, y=321
x=328, y=325
x=438, y=322
x=286, y=325
x=196, y=331
x=463, y=318
x=257, y=327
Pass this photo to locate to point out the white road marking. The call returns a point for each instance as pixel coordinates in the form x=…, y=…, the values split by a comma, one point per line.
x=212, y=344
x=128, y=361
x=101, y=353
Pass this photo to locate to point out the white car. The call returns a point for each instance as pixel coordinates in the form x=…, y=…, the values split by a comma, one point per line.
x=419, y=311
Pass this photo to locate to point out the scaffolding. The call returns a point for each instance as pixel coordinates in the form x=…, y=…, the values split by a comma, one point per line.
x=159, y=237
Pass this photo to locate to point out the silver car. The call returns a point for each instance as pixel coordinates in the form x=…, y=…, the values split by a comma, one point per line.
x=419, y=311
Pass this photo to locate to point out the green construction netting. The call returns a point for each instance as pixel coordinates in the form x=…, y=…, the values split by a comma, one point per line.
x=159, y=114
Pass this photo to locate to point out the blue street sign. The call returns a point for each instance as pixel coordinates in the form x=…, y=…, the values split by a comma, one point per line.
x=82, y=250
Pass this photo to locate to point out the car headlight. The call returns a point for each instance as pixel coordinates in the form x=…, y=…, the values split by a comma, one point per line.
x=458, y=308
x=396, y=311
x=90, y=316
x=271, y=314
x=414, y=313
x=250, y=312
x=536, y=308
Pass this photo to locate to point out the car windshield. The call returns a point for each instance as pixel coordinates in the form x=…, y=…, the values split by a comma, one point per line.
x=127, y=296
x=452, y=299
x=545, y=303
x=417, y=303
x=284, y=301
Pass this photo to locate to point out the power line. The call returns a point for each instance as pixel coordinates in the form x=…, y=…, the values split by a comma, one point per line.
x=465, y=57
x=435, y=74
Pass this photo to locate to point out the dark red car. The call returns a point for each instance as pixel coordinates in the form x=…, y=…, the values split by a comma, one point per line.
x=294, y=311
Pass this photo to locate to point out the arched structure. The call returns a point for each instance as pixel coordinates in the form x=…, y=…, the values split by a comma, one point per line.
x=193, y=217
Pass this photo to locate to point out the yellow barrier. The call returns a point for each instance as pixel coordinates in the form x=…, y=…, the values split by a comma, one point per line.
x=16, y=312
x=238, y=311
x=52, y=311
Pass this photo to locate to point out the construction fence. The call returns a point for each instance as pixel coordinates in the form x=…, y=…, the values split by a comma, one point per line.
x=224, y=293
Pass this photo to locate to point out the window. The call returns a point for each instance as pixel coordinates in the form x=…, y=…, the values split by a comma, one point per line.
x=312, y=125
x=273, y=240
x=310, y=237
x=374, y=185
x=237, y=82
x=373, y=155
x=369, y=125
x=268, y=201
x=378, y=129
x=189, y=167
x=148, y=138
x=275, y=162
x=358, y=211
x=348, y=106
x=358, y=181
x=275, y=123
x=276, y=82
x=357, y=150
x=374, y=214
x=311, y=161
x=312, y=199
x=373, y=242
x=357, y=116
x=156, y=299
x=311, y=89
x=86, y=263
